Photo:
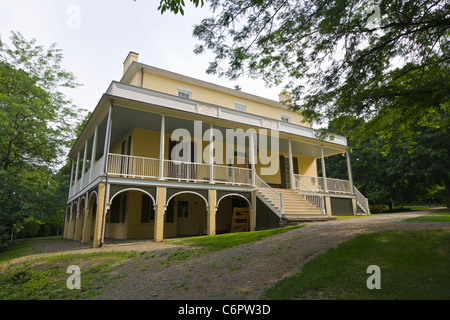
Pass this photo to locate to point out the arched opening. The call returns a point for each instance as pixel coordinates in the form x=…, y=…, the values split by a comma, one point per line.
x=80, y=220
x=66, y=223
x=185, y=215
x=89, y=223
x=73, y=220
x=227, y=206
x=131, y=215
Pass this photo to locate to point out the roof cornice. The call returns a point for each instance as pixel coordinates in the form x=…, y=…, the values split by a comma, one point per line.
x=137, y=66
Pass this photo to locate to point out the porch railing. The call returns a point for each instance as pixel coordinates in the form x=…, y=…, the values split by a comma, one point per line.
x=140, y=167
x=363, y=201
x=272, y=195
x=87, y=177
x=316, y=184
x=310, y=195
x=132, y=166
x=186, y=171
x=232, y=175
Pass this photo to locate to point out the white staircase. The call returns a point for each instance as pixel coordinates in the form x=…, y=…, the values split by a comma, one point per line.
x=362, y=201
x=289, y=204
x=295, y=206
x=301, y=203
x=272, y=198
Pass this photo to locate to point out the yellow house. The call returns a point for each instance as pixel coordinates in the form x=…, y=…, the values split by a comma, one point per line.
x=166, y=155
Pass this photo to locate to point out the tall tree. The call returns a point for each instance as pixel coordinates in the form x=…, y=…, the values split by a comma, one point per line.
x=328, y=53
x=415, y=169
x=385, y=62
x=36, y=124
x=35, y=117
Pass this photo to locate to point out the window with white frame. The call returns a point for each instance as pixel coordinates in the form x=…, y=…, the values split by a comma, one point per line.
x=285, y=118
x=239, y=106
x=184, y=92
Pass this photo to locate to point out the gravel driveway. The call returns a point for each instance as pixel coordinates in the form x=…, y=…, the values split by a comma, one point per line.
x=243, y=272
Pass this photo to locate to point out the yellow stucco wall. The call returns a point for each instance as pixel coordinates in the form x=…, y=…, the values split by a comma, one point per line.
x=307, y=165
x=170, y=86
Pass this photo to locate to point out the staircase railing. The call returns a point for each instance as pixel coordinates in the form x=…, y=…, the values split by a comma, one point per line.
x=275, y=197
x=309, y=194
x=363, y=201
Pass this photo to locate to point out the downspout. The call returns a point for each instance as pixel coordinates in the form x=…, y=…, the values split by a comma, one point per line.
x=105, y=165
x=68, y=195
x=142, y=77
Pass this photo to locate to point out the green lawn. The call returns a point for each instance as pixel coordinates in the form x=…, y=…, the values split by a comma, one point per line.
x=434, y=216
x=414, y=264
x=45, y=277
x=21, y=247
x=352, y=217
x=228, y=240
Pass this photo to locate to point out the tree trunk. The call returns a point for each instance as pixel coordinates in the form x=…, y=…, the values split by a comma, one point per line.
x=7, y=157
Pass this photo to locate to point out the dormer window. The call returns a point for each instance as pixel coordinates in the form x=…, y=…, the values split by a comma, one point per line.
x=184, y=92
x=239, y=106
x=285, y=118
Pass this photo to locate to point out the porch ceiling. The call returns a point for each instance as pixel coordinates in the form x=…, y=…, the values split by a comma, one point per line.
x=130, y=114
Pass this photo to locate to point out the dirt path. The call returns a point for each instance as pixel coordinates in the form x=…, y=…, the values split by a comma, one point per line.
x=244, y=272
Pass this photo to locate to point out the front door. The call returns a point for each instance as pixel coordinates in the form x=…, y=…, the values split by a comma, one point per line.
x=285, y=171
x=185, y=218
x=126, y=151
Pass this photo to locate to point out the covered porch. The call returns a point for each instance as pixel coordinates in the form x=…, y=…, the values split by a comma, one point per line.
x=142, y=145
x=146, y=145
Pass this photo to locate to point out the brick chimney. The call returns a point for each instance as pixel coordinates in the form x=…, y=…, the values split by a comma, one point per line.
x=132, y=56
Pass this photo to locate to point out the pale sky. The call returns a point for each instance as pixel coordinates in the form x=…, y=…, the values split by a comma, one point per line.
x=95, y=45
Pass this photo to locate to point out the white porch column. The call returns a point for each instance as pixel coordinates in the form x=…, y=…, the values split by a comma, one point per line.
x=76, y=169
x=291, y=165
x=324, y=171
x=107, y=139
x=71, y=178
x=350, y=180
x=252, y=158
x=325, y=185
x=94, y=151
x=83, y=167
x=161, y=147
x=211, y=153
x=349, y=169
